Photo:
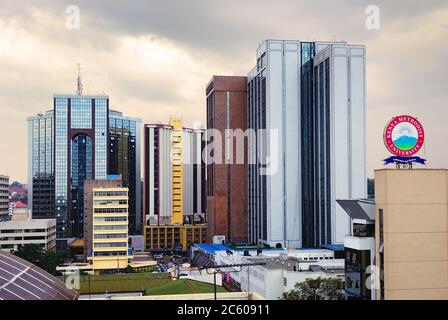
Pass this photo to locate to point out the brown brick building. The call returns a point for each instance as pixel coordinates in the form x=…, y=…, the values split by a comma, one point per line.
x=227, y=182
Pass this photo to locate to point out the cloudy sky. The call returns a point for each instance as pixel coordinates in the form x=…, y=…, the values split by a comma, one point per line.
x=154, y=58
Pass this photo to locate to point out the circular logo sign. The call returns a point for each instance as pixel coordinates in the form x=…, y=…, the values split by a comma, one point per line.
x=404, y=136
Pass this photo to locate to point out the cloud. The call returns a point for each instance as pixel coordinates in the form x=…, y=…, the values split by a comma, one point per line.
x=154, y=58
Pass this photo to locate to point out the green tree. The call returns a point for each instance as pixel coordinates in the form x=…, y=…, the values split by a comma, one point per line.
x=45, y=259
x=317, y=289
x=129, y=269
x=30, y=252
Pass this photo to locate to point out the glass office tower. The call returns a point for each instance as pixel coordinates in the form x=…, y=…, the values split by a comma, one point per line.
x=124, y=160
x=80, y=139
x=80, y=125
x=40, y=164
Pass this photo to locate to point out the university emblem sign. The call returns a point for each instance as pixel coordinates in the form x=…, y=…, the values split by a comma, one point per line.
x=404, y=137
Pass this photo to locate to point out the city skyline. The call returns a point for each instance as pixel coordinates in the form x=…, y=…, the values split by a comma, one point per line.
x=153, y=71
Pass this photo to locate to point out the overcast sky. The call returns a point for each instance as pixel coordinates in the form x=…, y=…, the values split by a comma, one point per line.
x=154, y=58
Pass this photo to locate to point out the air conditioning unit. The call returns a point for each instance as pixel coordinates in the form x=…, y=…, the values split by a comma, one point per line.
x=219, y=239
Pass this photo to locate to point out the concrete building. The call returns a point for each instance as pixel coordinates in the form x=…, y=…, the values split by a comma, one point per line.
x=339, y=141
x=106, y=224
x=359, y=247
x=194, y=187
x=22, y=230
x=174, y=237
x=227, y=179
x=4, y=196
x=17, y=208
x=411, y=234
x=281, y=274
x=165, y=178
x=158, y=201
x=282, y=269
x=177, y=170
x=310, y=100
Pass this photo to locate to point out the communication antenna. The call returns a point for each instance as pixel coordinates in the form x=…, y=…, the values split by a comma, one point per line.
x=78, y=82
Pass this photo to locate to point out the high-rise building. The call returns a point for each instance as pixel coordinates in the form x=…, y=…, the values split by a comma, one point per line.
x=227, y=180
x=80, y=139
x=160, y=176
x=41, y=165
x=80, y=153
x=274, y=105
x=157, y=175
x=310, y=99
x=338, y=140
x=177, y=170
x=4, y=196
x=174, y=186
x=194, y=187
x=124, y=159
x=106, y=224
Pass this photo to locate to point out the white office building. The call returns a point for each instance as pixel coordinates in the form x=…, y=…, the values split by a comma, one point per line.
x=310, y=98
x=22, y=230
x=282, y=269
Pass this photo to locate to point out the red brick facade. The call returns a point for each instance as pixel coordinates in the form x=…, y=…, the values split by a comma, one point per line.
x=227, y=183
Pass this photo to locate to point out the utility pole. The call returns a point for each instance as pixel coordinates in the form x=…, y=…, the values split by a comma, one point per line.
x=240, y=266
x=214, y=276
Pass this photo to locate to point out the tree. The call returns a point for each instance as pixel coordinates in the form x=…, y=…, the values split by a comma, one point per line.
x=30, y=252
x=45, y=259
x=129, y=269
x=317, y=289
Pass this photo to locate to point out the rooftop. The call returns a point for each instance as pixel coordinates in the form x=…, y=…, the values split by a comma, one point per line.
x=21, y=280
x=211, y=248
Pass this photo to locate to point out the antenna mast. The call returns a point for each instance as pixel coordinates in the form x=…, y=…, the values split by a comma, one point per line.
x=78, y=82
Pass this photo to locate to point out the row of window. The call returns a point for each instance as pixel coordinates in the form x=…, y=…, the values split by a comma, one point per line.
x=110, y=202
x=111, y=236
x=110, y=219
x=110, y=244
x=110, y=210
x=119, y=227
x=108, y=254
x=110, y=193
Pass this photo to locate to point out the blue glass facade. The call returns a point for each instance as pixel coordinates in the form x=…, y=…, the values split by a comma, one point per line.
x=61, y=165
x=308, y=144
x=80, y=154
x=81, y=169
x=41, y=173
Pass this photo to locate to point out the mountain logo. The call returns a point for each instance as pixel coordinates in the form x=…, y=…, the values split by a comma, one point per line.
x=404, y=136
